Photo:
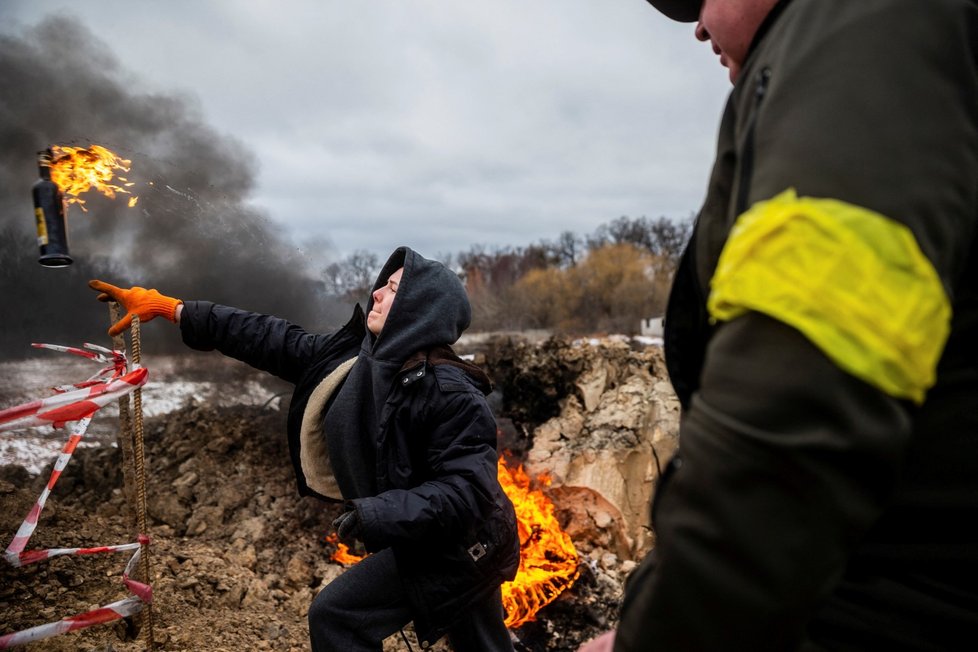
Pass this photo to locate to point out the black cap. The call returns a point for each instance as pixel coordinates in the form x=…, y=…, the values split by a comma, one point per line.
x=685, y=11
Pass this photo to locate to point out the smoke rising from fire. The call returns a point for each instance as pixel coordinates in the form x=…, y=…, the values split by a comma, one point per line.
x=193, y=233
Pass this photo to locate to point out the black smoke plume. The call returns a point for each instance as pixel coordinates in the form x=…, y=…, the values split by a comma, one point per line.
x=192, y=233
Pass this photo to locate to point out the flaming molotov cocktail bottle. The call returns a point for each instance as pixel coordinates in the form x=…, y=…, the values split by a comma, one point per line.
x=49, y=212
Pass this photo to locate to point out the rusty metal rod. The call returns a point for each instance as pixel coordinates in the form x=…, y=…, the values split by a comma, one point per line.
x=139, y=459
x=133, y=462
x=124, y=439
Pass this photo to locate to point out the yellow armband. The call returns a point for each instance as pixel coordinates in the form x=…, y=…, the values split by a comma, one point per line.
x=854, y=282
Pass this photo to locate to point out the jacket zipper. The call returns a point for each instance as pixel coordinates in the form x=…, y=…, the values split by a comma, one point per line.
x=747, y=158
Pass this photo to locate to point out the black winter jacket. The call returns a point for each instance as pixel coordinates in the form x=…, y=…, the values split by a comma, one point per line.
x=438, y=503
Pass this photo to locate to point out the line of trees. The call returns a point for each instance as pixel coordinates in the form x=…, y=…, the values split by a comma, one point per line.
x=607, y=281
x=604, y=282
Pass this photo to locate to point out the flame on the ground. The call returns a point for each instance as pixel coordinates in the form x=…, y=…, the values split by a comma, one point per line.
x=342, y=553
x=548, y=559
x=77, y=170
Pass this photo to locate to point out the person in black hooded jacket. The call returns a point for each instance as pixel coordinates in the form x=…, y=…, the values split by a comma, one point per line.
x=387, y=419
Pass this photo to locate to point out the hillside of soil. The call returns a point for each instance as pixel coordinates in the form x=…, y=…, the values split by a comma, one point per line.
x=236, y=556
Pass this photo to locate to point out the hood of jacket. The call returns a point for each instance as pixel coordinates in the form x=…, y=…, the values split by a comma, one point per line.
x=430, y=308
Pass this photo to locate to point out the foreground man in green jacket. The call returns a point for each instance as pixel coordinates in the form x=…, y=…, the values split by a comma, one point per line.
x=821, y=336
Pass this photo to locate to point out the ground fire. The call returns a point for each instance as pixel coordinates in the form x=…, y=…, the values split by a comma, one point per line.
x=548, y=559
x=342, y=554
x=79, y=169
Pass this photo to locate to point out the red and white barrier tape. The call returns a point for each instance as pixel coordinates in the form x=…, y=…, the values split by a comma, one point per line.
x=31, y=556
x=26, y=529
x=115, y=362
x=76, y=404
x=141, y=590
x=121, y=609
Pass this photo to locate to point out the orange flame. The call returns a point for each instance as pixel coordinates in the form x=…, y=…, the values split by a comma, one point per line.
x=548, y=559
x=79, y=169
x=342, y=553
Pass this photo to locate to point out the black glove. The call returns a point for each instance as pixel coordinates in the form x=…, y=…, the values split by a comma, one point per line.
x=348, y=527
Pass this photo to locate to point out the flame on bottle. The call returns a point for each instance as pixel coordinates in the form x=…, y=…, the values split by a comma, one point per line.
x=77, y=170
x=548, y=559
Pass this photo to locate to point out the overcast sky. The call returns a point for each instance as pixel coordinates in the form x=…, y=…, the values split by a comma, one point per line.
x=433, y=123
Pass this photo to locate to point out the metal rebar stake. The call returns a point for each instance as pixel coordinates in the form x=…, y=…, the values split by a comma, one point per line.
x=124, y=440
x=139, y=459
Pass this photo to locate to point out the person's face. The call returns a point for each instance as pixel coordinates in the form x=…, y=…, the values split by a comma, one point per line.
x=730, y=26
x=383, y=298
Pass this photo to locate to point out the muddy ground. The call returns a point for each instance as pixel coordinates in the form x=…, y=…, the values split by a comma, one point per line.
x=236, y=555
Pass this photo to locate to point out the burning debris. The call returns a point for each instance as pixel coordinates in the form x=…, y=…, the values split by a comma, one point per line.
x=548, y=559
x=342, y=554
x=609, y=422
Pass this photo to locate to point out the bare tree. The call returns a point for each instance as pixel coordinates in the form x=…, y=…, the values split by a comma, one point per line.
x=353, y=277
x=662, y=237
x=568, y=247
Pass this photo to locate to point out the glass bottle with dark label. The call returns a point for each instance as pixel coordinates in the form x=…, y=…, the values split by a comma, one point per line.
x=49, y=211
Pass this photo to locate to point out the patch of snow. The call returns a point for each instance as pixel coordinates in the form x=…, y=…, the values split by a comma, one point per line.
x=36, y=448
x=647, y=341
x=170, y=388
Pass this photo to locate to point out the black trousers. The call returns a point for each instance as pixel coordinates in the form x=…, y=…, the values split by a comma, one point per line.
x=366, y=604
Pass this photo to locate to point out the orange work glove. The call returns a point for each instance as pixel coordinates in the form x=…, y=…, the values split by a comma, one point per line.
x=144, y=303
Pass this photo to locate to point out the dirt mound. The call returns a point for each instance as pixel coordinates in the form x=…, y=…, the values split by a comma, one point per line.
x=237, y=556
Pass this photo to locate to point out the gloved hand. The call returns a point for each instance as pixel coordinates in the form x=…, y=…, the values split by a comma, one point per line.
x=144, y=303
x=348, y=527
